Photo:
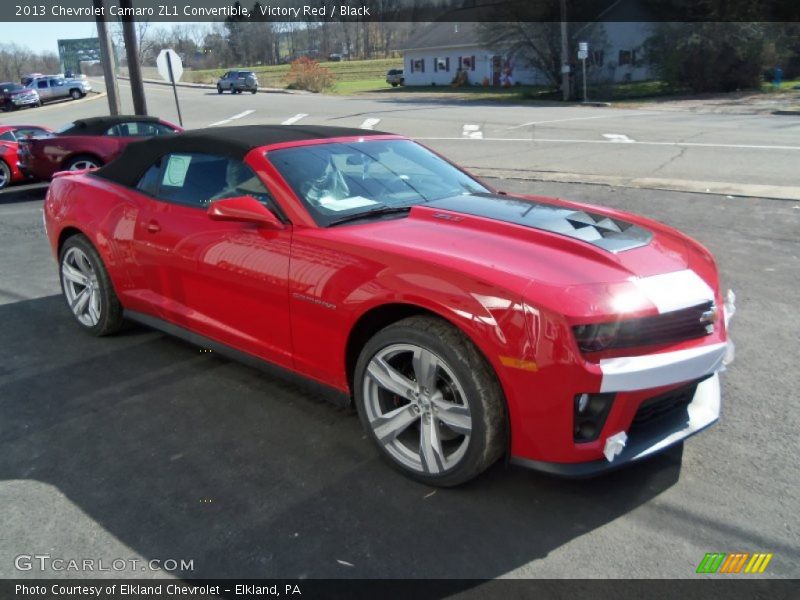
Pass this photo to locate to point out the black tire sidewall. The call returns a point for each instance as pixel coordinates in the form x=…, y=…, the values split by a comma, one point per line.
x=469, y=375
x=110, y=313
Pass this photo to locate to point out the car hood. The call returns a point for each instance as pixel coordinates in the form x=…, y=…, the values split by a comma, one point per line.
x=577, y=259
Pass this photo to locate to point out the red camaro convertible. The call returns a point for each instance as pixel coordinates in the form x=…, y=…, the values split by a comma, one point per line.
x=10, y=136
x=87, y=143
x=463, y=323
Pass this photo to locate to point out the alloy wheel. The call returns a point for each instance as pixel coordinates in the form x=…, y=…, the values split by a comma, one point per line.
x=5, y=175
x=417, y=408
x=81, y=287
x=83, y=163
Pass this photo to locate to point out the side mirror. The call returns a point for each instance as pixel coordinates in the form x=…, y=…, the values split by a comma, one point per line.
x=244, y=209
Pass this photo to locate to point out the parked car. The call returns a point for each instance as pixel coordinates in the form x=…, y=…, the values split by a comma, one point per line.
x=87, y=143
x=53, y=87
x=238, y=82
x=10, y=135
x=14, y=96
x=464, y=323
x=395, y=77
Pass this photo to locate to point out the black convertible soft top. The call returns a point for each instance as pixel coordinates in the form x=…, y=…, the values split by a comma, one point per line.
x=99, y=125
x=233, y=142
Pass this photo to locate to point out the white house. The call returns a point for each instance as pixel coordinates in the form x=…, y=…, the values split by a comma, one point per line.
x=435, y=54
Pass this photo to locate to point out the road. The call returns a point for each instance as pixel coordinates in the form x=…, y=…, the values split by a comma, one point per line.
x=667, y=149
x=142, y=447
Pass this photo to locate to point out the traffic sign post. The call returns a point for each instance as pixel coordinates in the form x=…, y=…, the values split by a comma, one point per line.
x=170, y=67
x=583, y=54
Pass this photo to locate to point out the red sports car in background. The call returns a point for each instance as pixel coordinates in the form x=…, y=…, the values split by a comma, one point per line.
x=10, y=136
x=464, y=323
x=87, y=143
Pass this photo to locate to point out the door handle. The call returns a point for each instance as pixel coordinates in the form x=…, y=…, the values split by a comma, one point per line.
x=153, y=227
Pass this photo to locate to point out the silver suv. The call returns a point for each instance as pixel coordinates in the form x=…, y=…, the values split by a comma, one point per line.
x=55, y=87
x=238, y=82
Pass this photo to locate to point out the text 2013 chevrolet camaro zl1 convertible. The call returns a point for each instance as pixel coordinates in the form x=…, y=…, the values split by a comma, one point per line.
x=464, y=323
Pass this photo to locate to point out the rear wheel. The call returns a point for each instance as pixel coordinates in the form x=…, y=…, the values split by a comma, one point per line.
x=78, y=163
x=394, y=84
x=5, y=175
x=253, y=91
x=87, y=288
x=430, y=402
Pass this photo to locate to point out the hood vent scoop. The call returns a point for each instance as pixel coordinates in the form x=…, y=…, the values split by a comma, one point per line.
x=604, y=232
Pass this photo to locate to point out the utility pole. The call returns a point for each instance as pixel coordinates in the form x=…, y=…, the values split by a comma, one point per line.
x=107, y=60
x=564, y=52
x=132, y=52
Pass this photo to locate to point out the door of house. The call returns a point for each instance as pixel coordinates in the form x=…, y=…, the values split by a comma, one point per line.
x=497, y=69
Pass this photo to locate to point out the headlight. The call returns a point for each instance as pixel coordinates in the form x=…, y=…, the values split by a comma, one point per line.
x=597, y=336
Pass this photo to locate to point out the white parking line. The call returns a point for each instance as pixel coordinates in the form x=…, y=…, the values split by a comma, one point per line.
x=233, y=118
x=618, y=137
x=369, y=123
x=632, y=142
x=472, y=131
x=294, y=119
x=614, y=116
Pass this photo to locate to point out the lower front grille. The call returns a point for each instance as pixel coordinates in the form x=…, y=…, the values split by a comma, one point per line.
x=668, y=406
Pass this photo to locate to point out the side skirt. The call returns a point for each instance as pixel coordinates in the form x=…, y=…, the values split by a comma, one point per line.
x=330, y=394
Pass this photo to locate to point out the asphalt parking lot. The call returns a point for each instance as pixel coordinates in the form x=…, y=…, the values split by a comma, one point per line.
x=142, y=446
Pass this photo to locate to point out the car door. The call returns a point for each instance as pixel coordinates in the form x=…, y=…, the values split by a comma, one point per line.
x=43, y=88
x=224, y=280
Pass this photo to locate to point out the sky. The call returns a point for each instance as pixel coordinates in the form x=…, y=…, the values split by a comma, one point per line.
x=42, y=36
x=39, y=36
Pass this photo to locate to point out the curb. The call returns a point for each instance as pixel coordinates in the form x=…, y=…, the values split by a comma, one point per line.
x=211, y=86
x=787, y=112
x=88, y=98
x=715, y=188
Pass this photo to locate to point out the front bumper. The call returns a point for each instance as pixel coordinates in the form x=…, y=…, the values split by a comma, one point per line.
x=703, y=411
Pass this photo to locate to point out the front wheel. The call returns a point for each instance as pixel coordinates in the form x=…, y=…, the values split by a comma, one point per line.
x=75, y=94
x=430, y=402
x=253, y=91
x=87, y=288
x=219, y=89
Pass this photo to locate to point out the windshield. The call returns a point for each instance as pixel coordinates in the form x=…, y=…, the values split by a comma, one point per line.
x=344, y=179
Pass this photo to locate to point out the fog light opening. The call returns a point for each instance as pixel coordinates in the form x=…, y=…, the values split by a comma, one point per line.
x=589, y=415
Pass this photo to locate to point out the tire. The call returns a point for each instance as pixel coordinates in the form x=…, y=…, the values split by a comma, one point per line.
x=82, y=161
x=462, y=406
x=98, y=310
x=219, y=89
x=253, y=91
x=75, y=94
x=5, y=175
x=394, y=84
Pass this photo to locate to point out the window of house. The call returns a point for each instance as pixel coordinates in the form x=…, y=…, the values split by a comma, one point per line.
x=418, y=65
x=627, y=57
x=596, y=58
x=441, y=64
x=466, y=63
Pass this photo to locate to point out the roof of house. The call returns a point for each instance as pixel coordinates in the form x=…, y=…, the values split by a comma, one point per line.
x=445, y=35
